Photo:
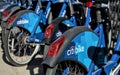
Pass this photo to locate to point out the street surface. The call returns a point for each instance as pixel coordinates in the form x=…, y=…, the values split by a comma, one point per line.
x=33, y=68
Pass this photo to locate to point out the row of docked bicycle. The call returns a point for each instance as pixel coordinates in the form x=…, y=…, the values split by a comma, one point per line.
x=72, y=37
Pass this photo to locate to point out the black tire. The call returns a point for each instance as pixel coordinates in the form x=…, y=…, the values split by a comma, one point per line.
x=72, y=67
x=3, y=34
x=17, y=50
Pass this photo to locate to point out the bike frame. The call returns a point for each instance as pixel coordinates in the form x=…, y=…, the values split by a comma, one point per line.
x=99, y=31
x=112, y=66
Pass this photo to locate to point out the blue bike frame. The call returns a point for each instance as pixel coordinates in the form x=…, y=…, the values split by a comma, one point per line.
x=111, y=64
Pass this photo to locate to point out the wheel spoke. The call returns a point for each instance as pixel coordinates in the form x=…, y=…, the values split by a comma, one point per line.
x=69, y=68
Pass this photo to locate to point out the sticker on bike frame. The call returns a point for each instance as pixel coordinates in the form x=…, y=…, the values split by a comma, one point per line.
x=28, y=20
x=22, y=21
x=75, y=50
x=58, y=34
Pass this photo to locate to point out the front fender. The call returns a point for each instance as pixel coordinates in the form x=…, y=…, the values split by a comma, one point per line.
x=77, y=41
x=26, y=19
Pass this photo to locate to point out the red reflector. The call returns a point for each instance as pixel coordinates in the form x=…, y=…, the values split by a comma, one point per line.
x=89, y=4
x=6, y=12
x=10, y=20
x=49, y=31
x=55, y=47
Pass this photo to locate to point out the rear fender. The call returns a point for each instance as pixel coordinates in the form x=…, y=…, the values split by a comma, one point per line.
x=57, y=25
x=4, y=6
x=26, y=19
x=72, y=47
x=11, y=10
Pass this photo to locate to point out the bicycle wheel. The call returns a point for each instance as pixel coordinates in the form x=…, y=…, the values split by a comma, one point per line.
x=68, y=67
x=17, y=50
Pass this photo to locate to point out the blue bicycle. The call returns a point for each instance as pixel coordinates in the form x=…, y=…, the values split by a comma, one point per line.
x=20, y=18
x=70, y=47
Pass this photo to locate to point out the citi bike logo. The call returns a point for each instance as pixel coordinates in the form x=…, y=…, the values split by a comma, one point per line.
x=75, y=50
x=22, y=21
x=59, y=33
